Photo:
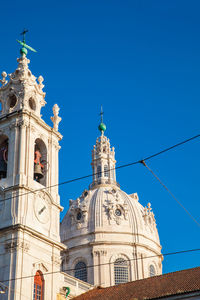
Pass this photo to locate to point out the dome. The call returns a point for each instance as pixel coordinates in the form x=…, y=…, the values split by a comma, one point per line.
x=105, y=225
x=108, y=209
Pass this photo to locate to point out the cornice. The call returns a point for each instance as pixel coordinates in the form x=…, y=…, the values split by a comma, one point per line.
x=114, y=242
x=38, y=235
x=31, y=191
x=106, y=243
x=21, y=112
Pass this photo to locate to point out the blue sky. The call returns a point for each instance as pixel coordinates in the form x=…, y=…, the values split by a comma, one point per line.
x=141, y=61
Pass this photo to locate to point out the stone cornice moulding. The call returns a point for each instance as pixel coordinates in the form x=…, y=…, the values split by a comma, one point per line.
x=24, y=112
x=141, y=246
x=15, y=188
x=111, y=232
x=32, y=232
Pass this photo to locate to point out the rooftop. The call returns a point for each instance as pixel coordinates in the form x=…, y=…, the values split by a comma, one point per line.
x=175, y=283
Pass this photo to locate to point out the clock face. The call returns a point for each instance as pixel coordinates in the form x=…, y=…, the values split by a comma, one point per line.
x=42, y=210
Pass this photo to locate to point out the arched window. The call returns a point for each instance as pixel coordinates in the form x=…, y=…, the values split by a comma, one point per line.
x=81, y=271
x=3, y=156
x=105, y=171
x=99, y=171
x=121, y=271
x=38, y=291
x=152, y=271
x=40, y=162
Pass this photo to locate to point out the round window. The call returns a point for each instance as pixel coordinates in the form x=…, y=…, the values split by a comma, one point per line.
x=79, y=216
x=32, y=104
x=118, y=212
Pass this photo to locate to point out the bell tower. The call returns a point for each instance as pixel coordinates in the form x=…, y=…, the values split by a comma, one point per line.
x=29, y=200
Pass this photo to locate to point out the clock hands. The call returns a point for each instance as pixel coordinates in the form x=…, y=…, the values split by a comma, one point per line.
x=41, y=210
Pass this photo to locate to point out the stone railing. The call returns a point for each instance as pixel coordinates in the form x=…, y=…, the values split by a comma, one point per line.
x=76, y=286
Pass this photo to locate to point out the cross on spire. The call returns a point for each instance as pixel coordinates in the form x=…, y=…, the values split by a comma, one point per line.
x=24, y=33
x=102, y=126
x=101, y=114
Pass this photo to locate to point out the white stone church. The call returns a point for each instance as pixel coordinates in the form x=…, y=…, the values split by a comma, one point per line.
x=107, y=237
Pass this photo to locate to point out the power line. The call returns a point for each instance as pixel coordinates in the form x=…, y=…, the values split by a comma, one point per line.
x=171, y=194
x=119, y=167
x=109, y=263
x=6, y=288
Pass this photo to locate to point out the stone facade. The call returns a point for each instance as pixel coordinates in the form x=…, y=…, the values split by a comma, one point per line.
x=107, y=236
x=106, y=226
x=29, y=205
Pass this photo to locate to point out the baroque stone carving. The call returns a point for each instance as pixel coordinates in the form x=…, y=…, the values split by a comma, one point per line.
x=40, y=266
x=56, y=119
x=40, y=80
x=16, y=245
x=22, y=86
x=100, y=253
x=148, y=216
x=56, y=259
x=3, y=80
x=78, y=212
x=116, y=209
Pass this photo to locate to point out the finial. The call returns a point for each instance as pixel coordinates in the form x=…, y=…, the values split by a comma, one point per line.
x=56, y=119
x=3, y=80
x=102, y=126
x=24, y=48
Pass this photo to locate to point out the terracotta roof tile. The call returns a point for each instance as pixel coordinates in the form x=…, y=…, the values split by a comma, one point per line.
x=154, y=287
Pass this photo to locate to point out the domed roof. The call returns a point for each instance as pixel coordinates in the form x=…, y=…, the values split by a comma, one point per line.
x=108, y=209
x=105, y=225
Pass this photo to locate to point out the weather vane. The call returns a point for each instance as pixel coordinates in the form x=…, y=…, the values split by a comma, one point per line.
x=24, y=48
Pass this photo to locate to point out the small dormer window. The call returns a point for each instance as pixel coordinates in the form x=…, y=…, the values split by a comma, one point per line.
x=12, y=100
x=79, y=216
x=118, y=212
x=32, y=104
x=85, y=194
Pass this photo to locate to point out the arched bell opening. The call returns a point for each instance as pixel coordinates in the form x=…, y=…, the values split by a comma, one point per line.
x=40, y=162
x=3, y=156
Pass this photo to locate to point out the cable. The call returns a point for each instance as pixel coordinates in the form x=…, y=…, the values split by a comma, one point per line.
x=6, y=288
x=119, y=167
x=3, y=288
x=189, y=214
x=109, y=263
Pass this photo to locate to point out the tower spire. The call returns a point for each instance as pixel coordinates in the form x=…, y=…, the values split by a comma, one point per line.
x=103, y=158
x=102, y=126
x=24, y=48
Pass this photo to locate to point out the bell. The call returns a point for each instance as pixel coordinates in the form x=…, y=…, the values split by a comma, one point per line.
x=38, y=172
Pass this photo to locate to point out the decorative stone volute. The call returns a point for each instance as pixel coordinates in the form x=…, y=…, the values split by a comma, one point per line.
x=22, y=91
x=78, y=211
